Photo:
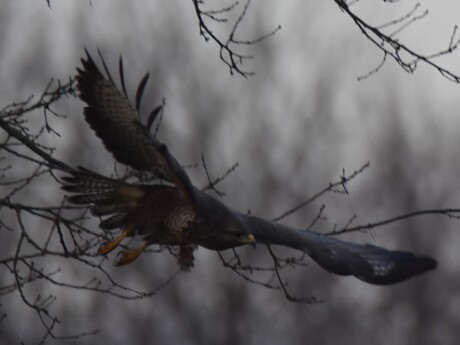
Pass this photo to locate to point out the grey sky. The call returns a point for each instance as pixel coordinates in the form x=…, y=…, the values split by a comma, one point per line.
x=292, y=127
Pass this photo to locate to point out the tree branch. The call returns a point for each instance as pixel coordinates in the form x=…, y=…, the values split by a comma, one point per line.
x=390, y=46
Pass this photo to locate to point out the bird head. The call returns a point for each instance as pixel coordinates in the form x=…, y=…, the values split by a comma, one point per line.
x=240, y=234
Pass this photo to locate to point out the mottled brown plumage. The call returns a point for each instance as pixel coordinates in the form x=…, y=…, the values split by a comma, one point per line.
x=172, y=211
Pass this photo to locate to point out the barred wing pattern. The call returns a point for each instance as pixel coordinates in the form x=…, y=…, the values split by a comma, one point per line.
x=117, y=124
x=183, y=215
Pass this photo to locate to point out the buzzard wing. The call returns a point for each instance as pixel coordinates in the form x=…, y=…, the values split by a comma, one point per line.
x=372, y=264
x=116, y=123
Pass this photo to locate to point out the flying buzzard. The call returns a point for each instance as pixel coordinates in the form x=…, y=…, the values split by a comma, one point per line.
x=175, y=212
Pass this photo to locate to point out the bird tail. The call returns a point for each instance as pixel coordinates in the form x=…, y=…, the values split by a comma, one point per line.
x=107, y=197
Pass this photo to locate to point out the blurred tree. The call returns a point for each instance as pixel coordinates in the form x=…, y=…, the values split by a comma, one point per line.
x=39, y=240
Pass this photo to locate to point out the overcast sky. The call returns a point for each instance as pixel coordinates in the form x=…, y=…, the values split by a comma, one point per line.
x=293, y=127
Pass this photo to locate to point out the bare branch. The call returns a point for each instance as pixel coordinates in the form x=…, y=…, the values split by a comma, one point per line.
x=331, y=188
x=453, y=213
x=390, y=46
x=229, y=47
x=219, y=179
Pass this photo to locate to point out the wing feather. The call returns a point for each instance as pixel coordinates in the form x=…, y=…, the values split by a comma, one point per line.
x=140, y=91
x=114, y=120
x=372, y=264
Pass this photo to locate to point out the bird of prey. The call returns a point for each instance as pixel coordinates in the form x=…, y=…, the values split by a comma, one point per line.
x=173, y=212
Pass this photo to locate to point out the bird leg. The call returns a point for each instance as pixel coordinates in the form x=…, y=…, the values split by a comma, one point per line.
x=107, y=247
x=127, y=256
x=185, y=259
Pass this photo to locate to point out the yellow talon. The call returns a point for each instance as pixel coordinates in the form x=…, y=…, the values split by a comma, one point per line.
x=127, y=256
x=107, y=247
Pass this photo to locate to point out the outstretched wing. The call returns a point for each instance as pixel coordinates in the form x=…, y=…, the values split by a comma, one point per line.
x=116, y=123
x=367, y=262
